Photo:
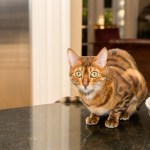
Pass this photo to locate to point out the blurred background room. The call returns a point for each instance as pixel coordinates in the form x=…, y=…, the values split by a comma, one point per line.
x=35, y=35
x=123, y=24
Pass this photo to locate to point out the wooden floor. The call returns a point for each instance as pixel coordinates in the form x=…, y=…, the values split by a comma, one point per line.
x=14, y=54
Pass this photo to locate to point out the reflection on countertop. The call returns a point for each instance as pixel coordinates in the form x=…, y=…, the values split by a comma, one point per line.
x=62, y=127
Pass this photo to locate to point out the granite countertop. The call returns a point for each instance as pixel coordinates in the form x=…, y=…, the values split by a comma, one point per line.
x=62, y=127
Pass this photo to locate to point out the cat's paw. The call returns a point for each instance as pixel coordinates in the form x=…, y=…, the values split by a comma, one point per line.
x=111, y=123
x=92, y=120
x=124, y=116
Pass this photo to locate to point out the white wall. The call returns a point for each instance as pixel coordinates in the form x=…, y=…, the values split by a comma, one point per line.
x=51, y=27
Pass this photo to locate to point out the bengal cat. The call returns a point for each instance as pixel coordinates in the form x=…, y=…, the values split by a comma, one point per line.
x=108, y=83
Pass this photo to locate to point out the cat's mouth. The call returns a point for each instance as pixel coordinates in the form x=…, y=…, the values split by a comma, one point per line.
x=86, y=90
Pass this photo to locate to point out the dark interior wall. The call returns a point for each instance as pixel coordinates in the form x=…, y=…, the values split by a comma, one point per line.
x=143, y=4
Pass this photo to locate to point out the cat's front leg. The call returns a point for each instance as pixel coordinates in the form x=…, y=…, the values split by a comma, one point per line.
x=113, y=119
x=92, y=119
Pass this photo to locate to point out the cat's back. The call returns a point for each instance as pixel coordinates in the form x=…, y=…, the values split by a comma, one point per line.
x=120, y=59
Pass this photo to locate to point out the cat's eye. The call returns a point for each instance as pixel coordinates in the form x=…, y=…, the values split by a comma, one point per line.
x=94, y=74
x=78, y=74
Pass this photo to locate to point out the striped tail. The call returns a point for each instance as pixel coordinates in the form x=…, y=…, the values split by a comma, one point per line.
x=72, y=99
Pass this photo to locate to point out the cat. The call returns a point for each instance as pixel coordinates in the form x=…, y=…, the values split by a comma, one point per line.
x=109, y=84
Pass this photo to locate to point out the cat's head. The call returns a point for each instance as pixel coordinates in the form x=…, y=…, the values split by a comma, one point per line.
x=88, y=72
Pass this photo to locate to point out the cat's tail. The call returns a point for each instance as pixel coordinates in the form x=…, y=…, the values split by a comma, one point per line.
x=72, y=99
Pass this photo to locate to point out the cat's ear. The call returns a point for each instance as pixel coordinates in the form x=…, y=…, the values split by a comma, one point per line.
x=101, y=58
x=74, y=59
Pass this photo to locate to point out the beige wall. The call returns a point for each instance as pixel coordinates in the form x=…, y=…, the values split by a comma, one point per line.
x=76, y=25
x=76, y=31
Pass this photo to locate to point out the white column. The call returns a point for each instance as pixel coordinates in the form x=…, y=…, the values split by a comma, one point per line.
x=131, y=15
x=91, y=20
x=99, y=6
x=50, y=37
x=95, y=10
x=119, y=16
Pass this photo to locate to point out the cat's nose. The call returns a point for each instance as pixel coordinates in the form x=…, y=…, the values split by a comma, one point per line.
x=85, y=82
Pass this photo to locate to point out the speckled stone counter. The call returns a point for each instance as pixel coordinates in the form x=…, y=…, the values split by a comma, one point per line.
x=62, y=127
